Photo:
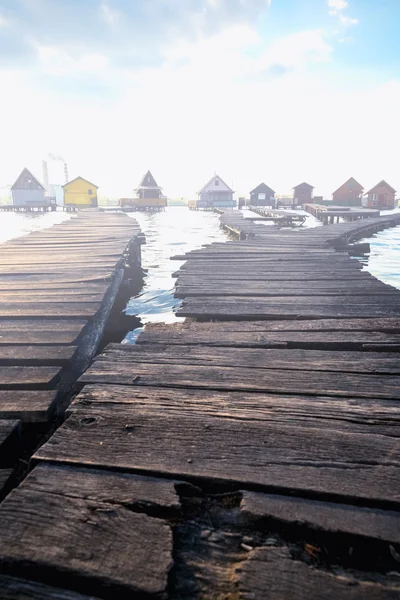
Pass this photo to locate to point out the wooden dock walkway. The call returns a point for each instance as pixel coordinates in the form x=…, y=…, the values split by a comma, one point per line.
x=285, y=218
x=57, y=288
x=251, y=451
x=328, y=214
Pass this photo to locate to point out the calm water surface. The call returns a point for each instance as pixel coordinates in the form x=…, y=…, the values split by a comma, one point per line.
x=14, y=225
x=173, y=232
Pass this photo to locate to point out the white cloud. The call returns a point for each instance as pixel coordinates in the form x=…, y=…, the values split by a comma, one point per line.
x=337, y=8
x=347, y=21
x=3, y=21
x=58, y=61
x=214, y=104
x=337, y=5
x=108, y=14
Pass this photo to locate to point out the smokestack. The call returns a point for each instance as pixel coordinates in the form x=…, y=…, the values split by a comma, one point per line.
x=45, y=176
x=66, y=172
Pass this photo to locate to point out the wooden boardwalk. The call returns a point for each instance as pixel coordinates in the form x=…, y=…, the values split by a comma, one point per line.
x=328, y=214
x=57, y=288
x=251, y=451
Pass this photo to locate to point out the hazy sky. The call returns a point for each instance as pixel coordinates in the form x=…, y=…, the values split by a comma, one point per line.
x=281, y=91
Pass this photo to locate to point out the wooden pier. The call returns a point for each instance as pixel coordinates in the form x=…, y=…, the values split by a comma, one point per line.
x=57, y=289
x=328, y=214
x=285, y=218
x=251, y=451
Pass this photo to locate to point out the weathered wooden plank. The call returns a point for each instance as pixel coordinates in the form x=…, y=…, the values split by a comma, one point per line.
x=88, y=541
x=360, y=415
x=105, y=486
x=24, y=378
x=254, y=309
x=255, y=285
x=36, y=355
x=272, y=573
x=13, y=588
x=75, y=325
x=31, y=297
x=31, y=337
x=246, y=451
x=256, y=358
x=243, y=379
x=271, y=277
x=387, y=325
x=387, y=302
x=327, y=516
x=341, y=340
x=260, y=290
x=27, y=406
x=43, y=310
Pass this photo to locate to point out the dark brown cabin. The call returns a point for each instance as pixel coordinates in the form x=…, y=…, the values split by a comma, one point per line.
x=303, y=193
x=381, y=196
x=349, y=194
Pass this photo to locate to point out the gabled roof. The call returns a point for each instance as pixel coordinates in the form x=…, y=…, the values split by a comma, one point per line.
x=83, y=179
x=25, y=173
x=210, y=180
x=263, y=187
x=383, y=182
x=148, y=182
x=351, y=182
x=304, y=184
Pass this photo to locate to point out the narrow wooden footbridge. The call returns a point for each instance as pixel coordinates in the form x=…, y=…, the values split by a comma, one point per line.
x=58, y=287
x=251, y=451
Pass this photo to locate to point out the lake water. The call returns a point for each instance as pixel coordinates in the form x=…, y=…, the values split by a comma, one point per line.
x=178, y=230
x=14, y=225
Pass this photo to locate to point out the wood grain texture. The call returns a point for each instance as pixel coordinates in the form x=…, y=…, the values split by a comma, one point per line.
x=332, y=340
x=27, y=406
x=387, y=325
x=247, y=451
x=40, y=378
x=259, y=308
x=103, y=543
x=243, y=379
x=252, y=358
x=13, y=588
x=326, y=516
x=43, y=355
x=272, y=573
x=104, y=486
x=357, y=415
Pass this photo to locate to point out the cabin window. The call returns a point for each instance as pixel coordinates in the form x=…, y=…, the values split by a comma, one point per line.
x=89, y=192
x=148, y=179
x=261, y=196
x=216, y=182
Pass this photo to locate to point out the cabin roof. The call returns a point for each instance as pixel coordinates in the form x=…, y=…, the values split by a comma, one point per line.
x=25, y=172
x=384, y=183
x=352, y=181
x=210, y=180
x=83, y=179
x=263, y=187
x=148, y=185
x=304, y=184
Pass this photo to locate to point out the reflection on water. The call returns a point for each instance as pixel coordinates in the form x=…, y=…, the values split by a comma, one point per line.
x=14, y=225
x=175, y=231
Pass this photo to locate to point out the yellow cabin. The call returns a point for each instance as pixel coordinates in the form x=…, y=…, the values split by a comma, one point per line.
x=80, y=193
